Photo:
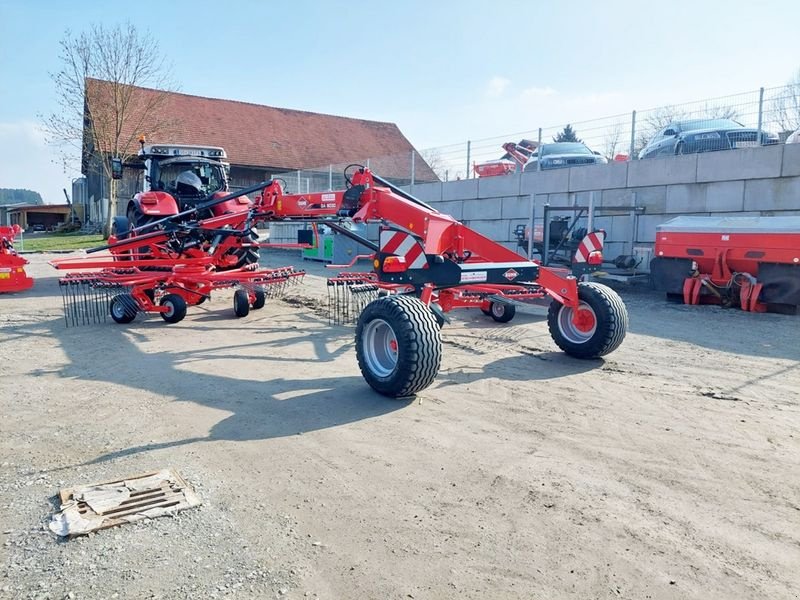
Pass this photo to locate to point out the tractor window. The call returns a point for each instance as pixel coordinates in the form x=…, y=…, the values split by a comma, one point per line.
x=211, y=176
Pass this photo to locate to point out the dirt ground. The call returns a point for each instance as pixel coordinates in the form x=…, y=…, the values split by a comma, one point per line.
x=667, y=470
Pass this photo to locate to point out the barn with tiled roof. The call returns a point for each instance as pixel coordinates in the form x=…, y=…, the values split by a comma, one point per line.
x=259, y=140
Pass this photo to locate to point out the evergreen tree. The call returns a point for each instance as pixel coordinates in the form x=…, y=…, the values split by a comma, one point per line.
x=567, y=135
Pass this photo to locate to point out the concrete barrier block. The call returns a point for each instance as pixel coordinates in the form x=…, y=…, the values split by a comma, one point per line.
x=545, y=182
x=647, y=227
x=791, y=160
x=583, y=198
x=427, y=192
x=686, y=198
x=487, y=208
x=662, y=171
x=460, y=190
x=496, y=230
x=772, y=194
x=516, y=207
x=560, y=199
x=746, y=163
x=724, y=196
x=598, y=177
x=613, y=249
x=495, y=187
x=616, y=197
x=454, y=208
x=654, y=199
x=621, y=229
x=603, y=223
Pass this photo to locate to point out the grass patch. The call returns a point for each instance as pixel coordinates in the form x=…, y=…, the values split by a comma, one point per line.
x=58, y=241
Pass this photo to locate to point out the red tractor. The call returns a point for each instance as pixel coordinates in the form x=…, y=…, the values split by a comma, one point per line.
x=177, y=179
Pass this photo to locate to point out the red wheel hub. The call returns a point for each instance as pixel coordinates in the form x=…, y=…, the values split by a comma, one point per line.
x=584, y=320
x=393, y=345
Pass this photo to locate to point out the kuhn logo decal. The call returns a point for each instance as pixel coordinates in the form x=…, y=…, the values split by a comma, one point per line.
x=511, y=274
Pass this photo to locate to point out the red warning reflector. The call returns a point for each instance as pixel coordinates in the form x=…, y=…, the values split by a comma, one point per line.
x=395, y=264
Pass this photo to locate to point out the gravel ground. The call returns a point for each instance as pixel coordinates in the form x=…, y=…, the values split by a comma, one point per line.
x=667, y=470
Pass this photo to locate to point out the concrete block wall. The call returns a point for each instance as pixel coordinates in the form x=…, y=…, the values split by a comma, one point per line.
x=752, y=181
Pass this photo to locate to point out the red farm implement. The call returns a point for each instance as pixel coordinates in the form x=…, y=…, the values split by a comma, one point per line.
x=167, y=265
x=12, y=266
x=749, y=262
x=425, y=264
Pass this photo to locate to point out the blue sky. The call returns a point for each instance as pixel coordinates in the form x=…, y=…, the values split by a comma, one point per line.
x=443, y=71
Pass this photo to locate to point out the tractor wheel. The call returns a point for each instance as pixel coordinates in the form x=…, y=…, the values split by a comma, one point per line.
x=123, y=308
x=176, y=308
x=502, y=313
x=241, y=304
x=138, y=219
x=601, y=325
x=398, y=345
x=120, y=229
x=245, y=256
x=260, y=301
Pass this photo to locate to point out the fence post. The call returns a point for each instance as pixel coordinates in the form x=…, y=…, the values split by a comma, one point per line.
x=539, y=153
x=760, y=113
x=413, y=167
x=531, y=222
x=633, y=135
x=298, y=183
x=330, y=178
x=469, y=151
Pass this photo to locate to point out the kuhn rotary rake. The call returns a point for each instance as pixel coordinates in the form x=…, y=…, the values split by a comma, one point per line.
x=425, y=264
x=168, y=265
x=123, y=293
x=12, y=266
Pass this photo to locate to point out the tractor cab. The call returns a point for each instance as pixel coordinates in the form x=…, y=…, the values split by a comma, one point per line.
x=187, y=173
x=177, y=178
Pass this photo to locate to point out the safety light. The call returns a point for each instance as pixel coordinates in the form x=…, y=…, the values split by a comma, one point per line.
x=394, y=264
x=595, y=258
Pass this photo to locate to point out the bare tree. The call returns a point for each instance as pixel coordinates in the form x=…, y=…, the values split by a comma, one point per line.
x=785, y=106
x=613, y=142
x=433, y=157
x=102, y=106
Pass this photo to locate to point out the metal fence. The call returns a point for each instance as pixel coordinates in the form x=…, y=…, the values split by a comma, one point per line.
x=404, y=168
x=774, y=111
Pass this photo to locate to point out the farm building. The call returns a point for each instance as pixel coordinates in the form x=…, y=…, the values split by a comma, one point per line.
x=260, y=141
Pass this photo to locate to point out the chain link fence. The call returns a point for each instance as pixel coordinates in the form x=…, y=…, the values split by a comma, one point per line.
x=775, y=112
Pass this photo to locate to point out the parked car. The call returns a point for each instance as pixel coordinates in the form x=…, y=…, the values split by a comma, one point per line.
x=704, y=135
x=560, y=155
x=38, y=227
